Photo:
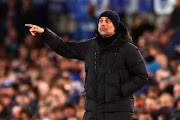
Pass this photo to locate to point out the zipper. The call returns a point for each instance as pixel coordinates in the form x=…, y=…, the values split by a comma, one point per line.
x=95, y=62
x=95, y=67
x=115, y=54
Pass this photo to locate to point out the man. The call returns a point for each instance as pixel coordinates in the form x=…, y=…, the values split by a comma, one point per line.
x=144, y=116
x=114, y=67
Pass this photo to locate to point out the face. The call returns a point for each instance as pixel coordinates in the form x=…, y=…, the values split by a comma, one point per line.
x=106, y=27
x=150, y=105
x=144, y=117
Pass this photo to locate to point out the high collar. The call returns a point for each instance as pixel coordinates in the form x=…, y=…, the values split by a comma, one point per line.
x=109, y=40
x=121, y=38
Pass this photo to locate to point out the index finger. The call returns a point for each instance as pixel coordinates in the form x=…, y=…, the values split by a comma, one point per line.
x=29, y=25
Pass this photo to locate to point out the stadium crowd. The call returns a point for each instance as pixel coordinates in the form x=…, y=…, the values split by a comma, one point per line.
x=38, y=84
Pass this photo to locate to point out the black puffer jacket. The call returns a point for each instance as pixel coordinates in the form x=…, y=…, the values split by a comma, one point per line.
x=113, y=72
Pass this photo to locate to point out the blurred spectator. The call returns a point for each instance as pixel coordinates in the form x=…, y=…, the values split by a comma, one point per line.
x=28, y=14
x=13, y=6
x=74, y=96
x=10, y=47
x=164, y=113
x=81, y=101
x=43, y=89
x=153, y=91
x=176, y=91
x=68, y=111
x=174, y=61
x=100, y=6
x=56, y=113
x=30, y=42
x=81, y=6
x=44, y=113
x=151, y=104
x=3, y=112
x=7, y=104
x=25, y=115
x=144, y=116
x=165, y=86
x=80, y=112
x=34, y=55
x=162, y=60
x=166, y=100
x=16, y=112
x=177, y=74
x=162, y=73
x=177, y=102
x=174, y=16
x=57, y=97
x=173, y=42
x=86, y=26
x=72, y=118
x=23, y=52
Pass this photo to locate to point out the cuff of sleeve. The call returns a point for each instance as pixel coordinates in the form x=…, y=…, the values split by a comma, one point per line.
x=45, y=31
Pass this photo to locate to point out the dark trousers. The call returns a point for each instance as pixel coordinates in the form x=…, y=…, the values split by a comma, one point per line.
x=88, y=115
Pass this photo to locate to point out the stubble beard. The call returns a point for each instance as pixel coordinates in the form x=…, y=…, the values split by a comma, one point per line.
x=103, y=34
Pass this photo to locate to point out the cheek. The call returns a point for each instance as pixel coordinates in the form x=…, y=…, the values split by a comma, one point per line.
x=111, y=29
x=98, y=26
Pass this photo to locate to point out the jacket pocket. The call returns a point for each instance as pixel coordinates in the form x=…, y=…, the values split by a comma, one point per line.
x=123, y=78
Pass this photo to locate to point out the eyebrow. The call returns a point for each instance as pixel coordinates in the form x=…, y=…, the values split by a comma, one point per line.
x=105, y=18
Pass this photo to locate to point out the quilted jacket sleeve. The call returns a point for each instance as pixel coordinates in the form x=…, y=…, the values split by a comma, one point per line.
x=138, y=76
x=76, y=50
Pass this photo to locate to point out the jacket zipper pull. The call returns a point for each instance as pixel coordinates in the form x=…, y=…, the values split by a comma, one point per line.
x=109, y=70
x=95, y=62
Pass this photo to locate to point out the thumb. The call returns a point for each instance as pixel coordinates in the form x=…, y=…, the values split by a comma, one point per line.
x=32, y=31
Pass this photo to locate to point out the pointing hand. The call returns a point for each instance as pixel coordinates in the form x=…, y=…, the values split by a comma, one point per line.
x=35, y=29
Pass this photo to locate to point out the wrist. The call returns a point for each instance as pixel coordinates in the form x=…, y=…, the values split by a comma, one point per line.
x=42, y=31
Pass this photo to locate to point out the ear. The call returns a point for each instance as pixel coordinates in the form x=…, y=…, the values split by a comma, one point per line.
x=121, y=28
x=115, y=30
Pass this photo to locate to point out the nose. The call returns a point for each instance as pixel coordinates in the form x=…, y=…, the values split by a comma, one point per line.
x=103, y=23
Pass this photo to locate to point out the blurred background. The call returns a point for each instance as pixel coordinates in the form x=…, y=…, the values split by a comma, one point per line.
x=38, y=84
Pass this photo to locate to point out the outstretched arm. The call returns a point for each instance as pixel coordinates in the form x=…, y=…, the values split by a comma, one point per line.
x=76, y=50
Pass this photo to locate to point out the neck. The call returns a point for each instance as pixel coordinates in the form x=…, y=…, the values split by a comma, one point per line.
x=110, y=39
x=107, y=36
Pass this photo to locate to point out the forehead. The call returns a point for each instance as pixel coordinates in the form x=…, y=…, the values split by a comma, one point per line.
x=105, y=18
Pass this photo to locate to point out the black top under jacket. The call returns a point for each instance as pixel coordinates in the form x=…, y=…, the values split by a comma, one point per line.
x=113, y=71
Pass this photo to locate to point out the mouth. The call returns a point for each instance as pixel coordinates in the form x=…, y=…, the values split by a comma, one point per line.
x=103, y=29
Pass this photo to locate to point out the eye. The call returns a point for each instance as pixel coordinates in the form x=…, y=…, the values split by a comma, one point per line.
x=101, y=20
x=107, y=21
